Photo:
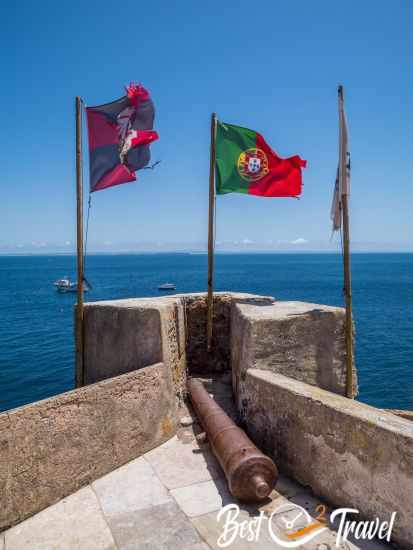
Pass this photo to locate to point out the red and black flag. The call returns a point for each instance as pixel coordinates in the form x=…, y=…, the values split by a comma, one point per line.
x=119, y=136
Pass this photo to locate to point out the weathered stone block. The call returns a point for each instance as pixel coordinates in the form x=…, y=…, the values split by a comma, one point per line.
x=178, y=465
x=53, y=447
x=202, y=498
x=125, y=335
x=218, y=359
x=75, y=522
x=129, y=488
x=349, y=453
x=301, y=340
x=162, y=527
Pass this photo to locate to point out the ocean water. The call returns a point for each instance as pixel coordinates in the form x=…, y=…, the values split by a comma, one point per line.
x=36, y=322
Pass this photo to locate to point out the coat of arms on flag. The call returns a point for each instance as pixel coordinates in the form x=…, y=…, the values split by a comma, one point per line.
x=252, y=164
x=119, y=136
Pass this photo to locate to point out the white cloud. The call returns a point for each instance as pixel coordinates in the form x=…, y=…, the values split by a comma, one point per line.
x=300, y=240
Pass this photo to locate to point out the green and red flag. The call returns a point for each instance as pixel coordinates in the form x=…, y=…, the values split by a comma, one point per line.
x=245, y=163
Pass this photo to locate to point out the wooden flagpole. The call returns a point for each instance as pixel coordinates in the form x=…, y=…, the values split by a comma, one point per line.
x=346, y=245
x=80, y=274
x=210, y=301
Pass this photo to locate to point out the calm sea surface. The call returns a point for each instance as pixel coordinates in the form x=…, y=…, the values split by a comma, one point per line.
x=36, y=323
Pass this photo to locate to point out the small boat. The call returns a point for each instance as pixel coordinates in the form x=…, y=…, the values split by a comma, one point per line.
x=66, y=285
x=167, y=286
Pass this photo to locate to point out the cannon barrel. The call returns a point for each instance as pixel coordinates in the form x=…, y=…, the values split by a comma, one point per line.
x=251, y=475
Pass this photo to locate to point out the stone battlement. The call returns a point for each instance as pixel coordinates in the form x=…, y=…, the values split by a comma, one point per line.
x=287, y=364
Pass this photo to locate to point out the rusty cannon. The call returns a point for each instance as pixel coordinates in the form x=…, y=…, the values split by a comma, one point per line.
x=251, y=475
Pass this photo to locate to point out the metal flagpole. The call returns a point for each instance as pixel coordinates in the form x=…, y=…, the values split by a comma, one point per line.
x=80, y=260
x=210, y=304
x=344, y=192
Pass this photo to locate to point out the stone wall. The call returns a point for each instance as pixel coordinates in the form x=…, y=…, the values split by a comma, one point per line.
x=53, y=447
x=301, y=340
x=219, y=358
x=198, y=357
x=350, y=454
x=125, y=335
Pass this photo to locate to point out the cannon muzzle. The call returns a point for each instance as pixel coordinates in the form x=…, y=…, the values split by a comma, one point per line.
x=251, y=475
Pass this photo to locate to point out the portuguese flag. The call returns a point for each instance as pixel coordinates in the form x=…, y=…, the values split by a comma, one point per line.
x=245, y=163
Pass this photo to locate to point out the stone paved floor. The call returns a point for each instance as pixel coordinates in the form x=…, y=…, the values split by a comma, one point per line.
x=168, y=499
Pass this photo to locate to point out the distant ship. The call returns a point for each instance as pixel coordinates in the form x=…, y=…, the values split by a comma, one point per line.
x=167, y=286
x=66, y=285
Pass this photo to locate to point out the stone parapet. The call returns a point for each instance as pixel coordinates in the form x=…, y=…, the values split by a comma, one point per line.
x=301, y=340
x=349, y=453
x=125, y=335
x=51, y=448
x=219, y=358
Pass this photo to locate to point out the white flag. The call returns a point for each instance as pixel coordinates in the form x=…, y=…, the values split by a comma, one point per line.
x=335, y=213
x=342, y=183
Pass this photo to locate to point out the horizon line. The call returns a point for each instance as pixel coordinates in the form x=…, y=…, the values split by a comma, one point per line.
x=198, y=252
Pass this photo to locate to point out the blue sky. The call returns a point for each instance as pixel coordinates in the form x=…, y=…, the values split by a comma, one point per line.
x=272, y=66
